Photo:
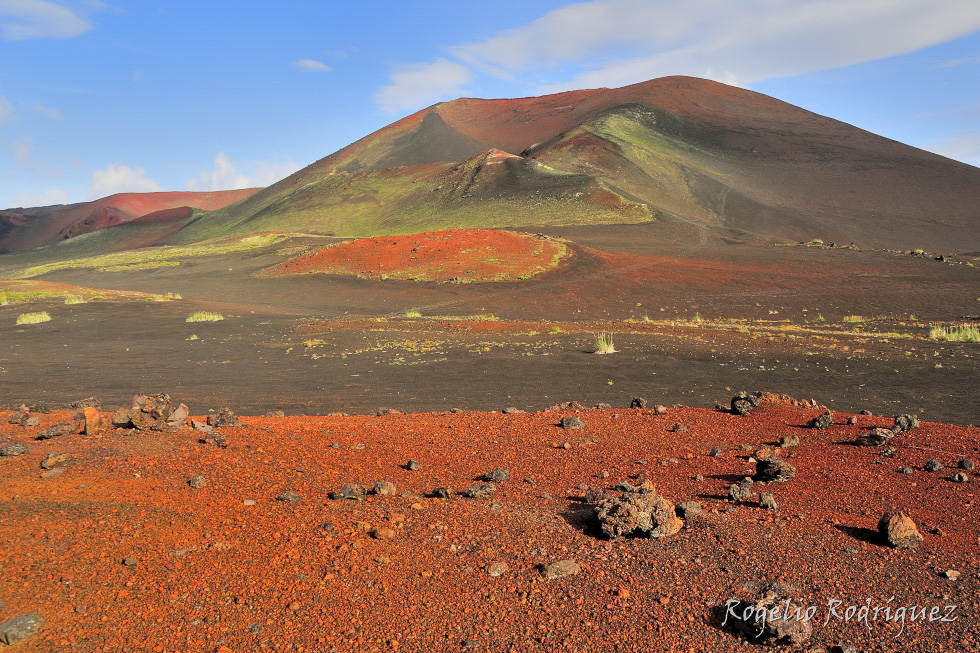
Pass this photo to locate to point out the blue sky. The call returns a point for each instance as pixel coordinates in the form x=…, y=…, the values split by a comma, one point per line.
x=98, y=97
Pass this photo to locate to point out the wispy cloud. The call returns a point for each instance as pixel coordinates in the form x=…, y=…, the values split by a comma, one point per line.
x=48, y=112
x=618, y=42
x=23, y=20
x=120, y=178
x=419, y=85
x=44, y=198
x=958, y=62
x=311, y=65
x=227, y=175
x=963, y=148
x=6, y=110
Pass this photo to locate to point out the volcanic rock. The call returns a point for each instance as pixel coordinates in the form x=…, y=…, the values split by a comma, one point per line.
x=852, y=420
x=744, y=403
x=769, y=619
x=385, y=489
x=58, y=430
x=442, y=493
x=774, y=470
x=275, y=413
x=660, y=410
x=350, y=491
x=480, y=490
x=789, y=441
x=13, y=449
x=967, y=464
x=223, y=418
x=740, y=491
x=643, y=514
x=560, y=569
x=55, y=460
x=21, y=628
x=875, y=437
x=826, y=420
x=688, y=509
x=32, y=420
x=498, y=475
x=933, y=465
x=905, y=423
x=497, y=569
x=899, y=530
x=767, y=501
x=960, y=477
x=289, y=497
x=574, y=422
x=384, y=411
x=88, y=402
x=17, y=417
x=714, y=453
x=93, y=421
x=511, y=410
x=638, y=402
x=197, y=481
x=678, y=428
x=413, y=466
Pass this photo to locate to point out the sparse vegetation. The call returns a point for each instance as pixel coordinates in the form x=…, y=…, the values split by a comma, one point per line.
x=966, y=332
x=149, y=257
x=33, y=318
x=603, y=344
x=75, y=299
x=821, y=318
x=697, y=319
x=854, y=318
x=205, y=316
x=413, y=313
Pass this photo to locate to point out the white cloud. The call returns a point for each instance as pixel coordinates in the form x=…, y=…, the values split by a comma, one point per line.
x=120, y=178
x=24, y=152
x=964, y=148
x=48, y=112
x=416, y=86
x=44, y=198
x=6, y=110
x=22, y=20
x=620, y=42
x=228, y=176
x=312, y=66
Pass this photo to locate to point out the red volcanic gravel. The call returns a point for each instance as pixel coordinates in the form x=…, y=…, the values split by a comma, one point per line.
x=117, y=552
x=458, y=254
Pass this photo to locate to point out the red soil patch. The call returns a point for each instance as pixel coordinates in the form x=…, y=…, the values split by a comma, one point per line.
x=230, y=566
x=464, y=255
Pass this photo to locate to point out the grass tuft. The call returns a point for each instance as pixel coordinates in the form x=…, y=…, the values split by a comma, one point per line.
x=603, y=344
x=204, y=316
x=413, y=313
x=33, y=318
x=75, y=299
x=854, y=318
x=966, y=332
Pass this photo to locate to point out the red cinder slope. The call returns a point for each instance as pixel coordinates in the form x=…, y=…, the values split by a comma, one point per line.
x=34, y=231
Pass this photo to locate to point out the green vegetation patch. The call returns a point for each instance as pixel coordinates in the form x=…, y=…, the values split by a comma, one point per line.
x=33, y=318
x=155, y=256
x=204, y=316
x=966, y=332
x=127, y=267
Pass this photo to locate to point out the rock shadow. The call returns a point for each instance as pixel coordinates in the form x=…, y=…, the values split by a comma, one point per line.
x=862, y=534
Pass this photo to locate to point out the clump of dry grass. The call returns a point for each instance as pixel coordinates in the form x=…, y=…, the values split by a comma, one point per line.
x=603, y=344
x=966, y=332
x=204, y=316
x=33, y=318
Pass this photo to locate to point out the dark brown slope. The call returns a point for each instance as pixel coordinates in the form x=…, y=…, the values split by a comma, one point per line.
x=25, y=229
x=736, y=161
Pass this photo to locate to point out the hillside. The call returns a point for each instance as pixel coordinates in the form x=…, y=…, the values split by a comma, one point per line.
x=731, y=160
x=22, y=229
